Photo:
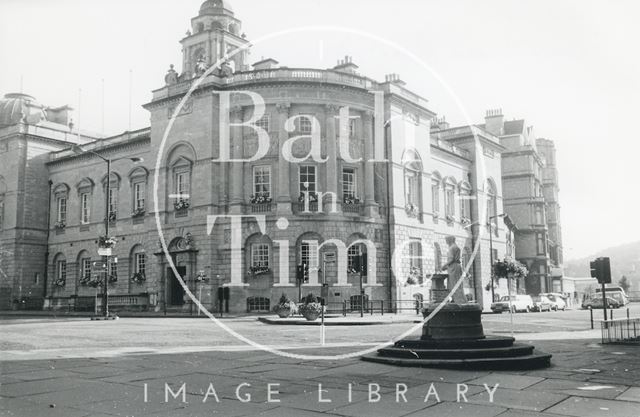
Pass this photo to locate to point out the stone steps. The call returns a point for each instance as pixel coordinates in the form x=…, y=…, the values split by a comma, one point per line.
x=517, y=350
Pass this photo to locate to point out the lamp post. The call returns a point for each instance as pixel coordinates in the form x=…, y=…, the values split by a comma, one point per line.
x=79, y=151
x=493, y=296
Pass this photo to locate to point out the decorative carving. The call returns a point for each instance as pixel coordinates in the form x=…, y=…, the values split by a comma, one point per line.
x=186, y=109
x=332, y=108
x=172, y=76
x=201, y=66
x=283, y=107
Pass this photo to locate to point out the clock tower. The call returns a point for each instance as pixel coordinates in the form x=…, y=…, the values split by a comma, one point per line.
x=214, y=33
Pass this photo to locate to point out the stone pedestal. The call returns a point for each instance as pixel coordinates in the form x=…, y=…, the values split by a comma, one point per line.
x=453, y=321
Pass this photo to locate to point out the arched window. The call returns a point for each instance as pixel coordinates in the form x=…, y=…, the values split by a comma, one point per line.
x=179, y=174
x=138, y=181
x=357, y=259
x=138, y=261
x=60, y=270
x=61, y=198
x=114, y=190
x=84, y=266
x=85, y=194
x=307, y=248
x=258, y=254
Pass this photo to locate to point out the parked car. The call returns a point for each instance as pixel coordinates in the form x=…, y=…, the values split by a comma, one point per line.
x=541, y=303
x=596, y=302
x=519, y=302
x=557, y=300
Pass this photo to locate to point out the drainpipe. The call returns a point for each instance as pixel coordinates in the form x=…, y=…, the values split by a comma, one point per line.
x=389, y=169
x=46, y=252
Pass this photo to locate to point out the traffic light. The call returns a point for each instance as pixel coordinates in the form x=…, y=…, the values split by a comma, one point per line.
x=601, y=270
x=302, y=273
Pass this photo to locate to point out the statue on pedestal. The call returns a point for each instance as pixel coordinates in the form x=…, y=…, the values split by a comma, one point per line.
x=454, y=269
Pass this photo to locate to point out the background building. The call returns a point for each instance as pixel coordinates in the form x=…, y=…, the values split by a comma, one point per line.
x=530, y=188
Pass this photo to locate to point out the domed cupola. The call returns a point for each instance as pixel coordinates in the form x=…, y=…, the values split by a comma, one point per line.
x=16, y=107
x=216, y=7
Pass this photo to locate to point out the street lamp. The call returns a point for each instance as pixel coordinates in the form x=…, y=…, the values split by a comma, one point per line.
x=493, y=296
x=79, y=151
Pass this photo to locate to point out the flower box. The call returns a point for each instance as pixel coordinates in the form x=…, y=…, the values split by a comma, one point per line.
x=60, y=225
x=139, y=212
x=259, y=270
x=181, y=204
x=411, y=210
x=138, y=278
x=260, y=198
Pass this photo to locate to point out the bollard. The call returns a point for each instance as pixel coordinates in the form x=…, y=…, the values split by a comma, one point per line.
x=610, y=314
x=591, y=314
x=382, y=307
x=627, y=313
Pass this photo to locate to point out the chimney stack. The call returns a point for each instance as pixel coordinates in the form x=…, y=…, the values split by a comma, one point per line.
x=394, y=79
x=494, y=122
x=346, y=65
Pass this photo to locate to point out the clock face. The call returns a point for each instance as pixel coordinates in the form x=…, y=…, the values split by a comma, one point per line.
x=182, y=244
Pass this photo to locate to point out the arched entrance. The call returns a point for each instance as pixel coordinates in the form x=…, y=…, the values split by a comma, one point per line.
x=184, y=255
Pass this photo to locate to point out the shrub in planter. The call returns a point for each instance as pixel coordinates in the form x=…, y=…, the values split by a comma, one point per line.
x=311, y=308
x=285, y=307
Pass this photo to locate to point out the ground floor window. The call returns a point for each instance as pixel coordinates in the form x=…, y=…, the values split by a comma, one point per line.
x=355, y=301
x=260, y=255
x=255, y=304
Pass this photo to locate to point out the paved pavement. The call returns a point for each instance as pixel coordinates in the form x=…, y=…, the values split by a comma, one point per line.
x=587, y=379
x=74, y=367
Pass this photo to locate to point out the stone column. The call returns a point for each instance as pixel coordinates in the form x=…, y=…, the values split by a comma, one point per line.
x=370, y=205
x=237, y=180
x=283, y=199
x=331, y=165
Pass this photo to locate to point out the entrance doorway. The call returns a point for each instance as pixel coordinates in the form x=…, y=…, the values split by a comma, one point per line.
x=176, y=292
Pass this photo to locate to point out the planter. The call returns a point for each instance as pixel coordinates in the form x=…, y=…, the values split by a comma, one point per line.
x=311, y=311
x=283, y=311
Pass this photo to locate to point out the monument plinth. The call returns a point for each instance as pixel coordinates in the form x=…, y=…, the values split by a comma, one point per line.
x=454, y=338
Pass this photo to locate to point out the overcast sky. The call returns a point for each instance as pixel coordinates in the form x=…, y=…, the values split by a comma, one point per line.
x=570, y=68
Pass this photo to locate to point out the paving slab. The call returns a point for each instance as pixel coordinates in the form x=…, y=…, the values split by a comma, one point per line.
x=579, y=388
x=520, y=399
x=454, y=409
x=594, y=407
x=631, y=394
x=506, y=380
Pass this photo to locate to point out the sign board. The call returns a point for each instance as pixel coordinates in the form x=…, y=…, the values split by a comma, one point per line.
x=329, y=257
x=104, y=251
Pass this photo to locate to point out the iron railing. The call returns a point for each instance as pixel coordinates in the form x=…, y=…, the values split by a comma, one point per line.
x=621, y=330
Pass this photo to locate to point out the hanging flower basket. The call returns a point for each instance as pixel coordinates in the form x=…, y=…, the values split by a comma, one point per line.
x=138, y=278
x=107, y=242
x=95, y=283
x=509, y=268
x=201, y=277
x=113, y=278
x=85, y=280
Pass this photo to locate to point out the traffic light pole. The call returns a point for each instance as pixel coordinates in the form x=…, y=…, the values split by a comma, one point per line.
x=604, y=305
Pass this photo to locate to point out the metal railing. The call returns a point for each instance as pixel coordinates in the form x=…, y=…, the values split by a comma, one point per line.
x=621, y=330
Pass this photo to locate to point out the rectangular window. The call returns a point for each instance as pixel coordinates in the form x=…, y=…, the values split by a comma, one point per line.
x=139, y=194
x=352, y=128
x=435, y=198
x=62, y=209
x=541, y=244
x=348, y=183
x=113, y=202
x=182, y=185
x=465, y=205
x=85, y=268
x=304, y=123
x=357, y=259
x=264, y=122
x=260, y=255
x=262, y=180
x=62, y=270
x=538, y=214
x=411, y=187
x=307, y=180
x=449, y=202
x=309, y=253
x=85, y=210
x=112, y=270
x=140, y=263
x=415, y=255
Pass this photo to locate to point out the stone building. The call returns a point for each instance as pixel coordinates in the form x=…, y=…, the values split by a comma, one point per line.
x=530, y=184
x=390, y=181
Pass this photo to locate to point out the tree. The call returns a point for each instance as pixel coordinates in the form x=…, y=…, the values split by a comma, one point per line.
x=624, y=283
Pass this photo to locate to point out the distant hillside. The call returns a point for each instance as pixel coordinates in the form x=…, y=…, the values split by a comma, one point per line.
x=625, y=260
